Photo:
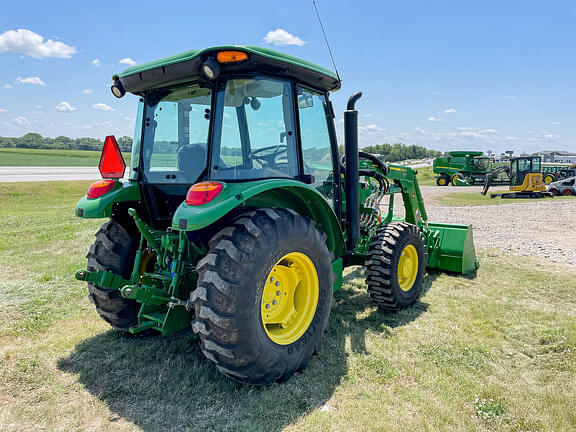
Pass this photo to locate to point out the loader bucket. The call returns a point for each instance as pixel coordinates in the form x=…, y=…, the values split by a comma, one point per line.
x=451, y=248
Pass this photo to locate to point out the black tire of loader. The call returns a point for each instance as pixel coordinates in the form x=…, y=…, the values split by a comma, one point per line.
x=230, y=284
x=113, y=250
x=382, y=266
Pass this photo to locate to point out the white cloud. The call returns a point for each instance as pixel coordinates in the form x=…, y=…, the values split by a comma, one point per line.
x=510, y=98
x=30, y=80
x=436, y=93
x=450, y=110
x=21, y=121
x=555, y=123
x=96, y=62
x=3, y=110
x=281, y=37
x=102, y=107
x=127, y=61
x=373, y=128
x=64, y=107
x=27, y=42
x=87, y=91
x=7, y=86
x=435, y=119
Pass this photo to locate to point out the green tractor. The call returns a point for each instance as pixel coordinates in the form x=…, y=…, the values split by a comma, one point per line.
x=239, y=215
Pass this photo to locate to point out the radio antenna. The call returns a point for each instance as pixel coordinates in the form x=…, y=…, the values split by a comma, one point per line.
x=326, y=39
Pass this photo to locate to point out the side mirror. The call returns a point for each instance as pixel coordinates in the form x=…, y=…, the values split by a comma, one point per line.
x=305, y=100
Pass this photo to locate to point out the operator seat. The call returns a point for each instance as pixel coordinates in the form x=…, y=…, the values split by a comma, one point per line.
x=191, y=161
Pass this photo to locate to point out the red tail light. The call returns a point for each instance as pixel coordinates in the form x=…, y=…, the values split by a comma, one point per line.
x=112, y=163
x=202, y=193
x=99, y=188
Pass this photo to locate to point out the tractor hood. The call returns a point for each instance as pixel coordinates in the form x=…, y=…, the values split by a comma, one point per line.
x=188, y=65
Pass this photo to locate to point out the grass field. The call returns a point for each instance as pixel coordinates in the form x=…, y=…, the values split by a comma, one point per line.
x=494, y=352
x=37, y=157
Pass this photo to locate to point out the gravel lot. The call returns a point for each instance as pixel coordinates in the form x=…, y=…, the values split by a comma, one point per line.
x=543, y=228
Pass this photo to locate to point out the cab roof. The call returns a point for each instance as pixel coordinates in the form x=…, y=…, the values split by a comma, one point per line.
x=185, y=66
x=462, y=153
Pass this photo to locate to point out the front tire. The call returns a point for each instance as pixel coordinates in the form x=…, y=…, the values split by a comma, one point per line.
x=113, y=250
x=264, y=295
x=395, y=266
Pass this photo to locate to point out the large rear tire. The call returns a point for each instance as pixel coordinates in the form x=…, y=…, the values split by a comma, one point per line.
x=264, y=295
x=395, y=266
x=113, y=250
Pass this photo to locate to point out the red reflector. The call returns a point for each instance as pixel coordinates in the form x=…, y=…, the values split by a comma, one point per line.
x=202, y=193
x=112, y=163
x=99, y=188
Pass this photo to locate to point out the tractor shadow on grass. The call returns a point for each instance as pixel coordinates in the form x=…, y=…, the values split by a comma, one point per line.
x=166, y=384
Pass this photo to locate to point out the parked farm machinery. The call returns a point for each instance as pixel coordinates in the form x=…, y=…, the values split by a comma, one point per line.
x=525, y=179
x=464, y=168
x=239, y=215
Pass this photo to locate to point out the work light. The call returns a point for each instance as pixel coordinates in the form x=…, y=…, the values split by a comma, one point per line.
x=211, y=69
x=118, y=89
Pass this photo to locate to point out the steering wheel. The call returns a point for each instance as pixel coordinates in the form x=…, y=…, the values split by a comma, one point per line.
x=267, y=155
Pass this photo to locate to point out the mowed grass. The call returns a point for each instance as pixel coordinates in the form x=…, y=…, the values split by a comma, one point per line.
x=477, y=199
x=494, y=352
x=39, y=157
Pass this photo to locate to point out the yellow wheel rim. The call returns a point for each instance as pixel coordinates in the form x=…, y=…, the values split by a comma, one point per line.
x=548, y=179
x=442, y=181
x=407, y=267
x=290, y=298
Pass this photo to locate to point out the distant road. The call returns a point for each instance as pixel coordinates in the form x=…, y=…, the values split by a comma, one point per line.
x=39, y=174
x=9, y=174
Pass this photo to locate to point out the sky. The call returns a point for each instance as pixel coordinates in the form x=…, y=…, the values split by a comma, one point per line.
x=447, y=75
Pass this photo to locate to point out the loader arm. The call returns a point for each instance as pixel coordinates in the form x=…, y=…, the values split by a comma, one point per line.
x=490, y=176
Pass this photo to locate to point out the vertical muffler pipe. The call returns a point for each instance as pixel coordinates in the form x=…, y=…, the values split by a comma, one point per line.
x=352, y=177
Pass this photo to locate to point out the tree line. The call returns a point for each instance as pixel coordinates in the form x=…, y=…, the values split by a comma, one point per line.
x=397, y=152
x=37, y=141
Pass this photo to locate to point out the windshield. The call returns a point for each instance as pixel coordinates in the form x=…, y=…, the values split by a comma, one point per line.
x=254, y=130
x=176, y=134
x=480, y=162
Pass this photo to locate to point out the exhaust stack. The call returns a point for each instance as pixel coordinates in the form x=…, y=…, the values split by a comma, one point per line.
x=352, y=176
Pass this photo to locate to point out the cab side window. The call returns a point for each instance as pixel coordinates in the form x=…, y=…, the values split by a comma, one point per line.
x=315, y=138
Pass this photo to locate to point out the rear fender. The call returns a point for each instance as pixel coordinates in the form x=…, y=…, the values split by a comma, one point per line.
x=102, y=207
x=291, y=194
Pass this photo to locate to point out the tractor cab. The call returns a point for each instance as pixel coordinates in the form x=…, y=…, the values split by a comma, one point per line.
x=228, y=115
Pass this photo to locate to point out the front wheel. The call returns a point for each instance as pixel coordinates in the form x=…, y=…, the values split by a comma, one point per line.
x=264, y=295
x=395, y=266
x=567, y=192
x=458, y=177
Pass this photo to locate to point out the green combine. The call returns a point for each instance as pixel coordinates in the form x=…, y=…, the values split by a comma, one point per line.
x=464, y=168
x=239, y=215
